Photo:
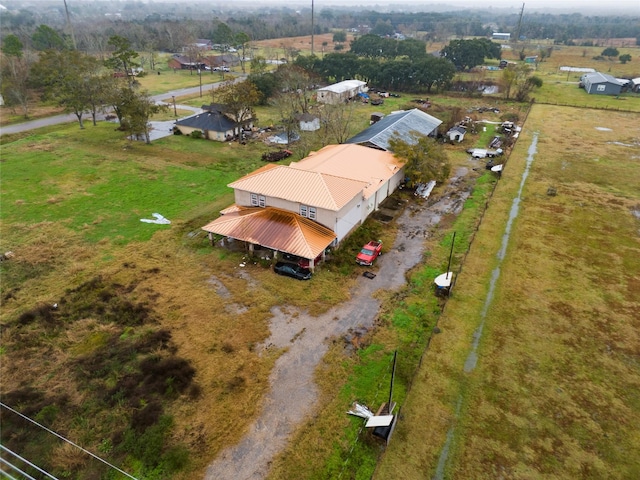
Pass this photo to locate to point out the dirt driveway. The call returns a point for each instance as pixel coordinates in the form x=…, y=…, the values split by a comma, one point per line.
x=292, y=378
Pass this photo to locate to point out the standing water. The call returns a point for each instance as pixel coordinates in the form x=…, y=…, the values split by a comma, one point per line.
x=472, y=359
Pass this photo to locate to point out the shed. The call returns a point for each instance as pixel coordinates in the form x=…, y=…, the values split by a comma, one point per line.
x=308, y=122
x=456, y=134
x=601, y=84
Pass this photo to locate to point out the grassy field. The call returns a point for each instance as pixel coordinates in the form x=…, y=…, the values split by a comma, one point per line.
x=553, y=392
x=72, y=201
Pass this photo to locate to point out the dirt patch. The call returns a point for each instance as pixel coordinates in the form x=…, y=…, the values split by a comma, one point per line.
x=304, y=43
x=306, y=340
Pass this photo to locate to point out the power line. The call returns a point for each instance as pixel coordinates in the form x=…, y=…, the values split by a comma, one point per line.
x=27, y=462
x=68, y=441
x=13, y=467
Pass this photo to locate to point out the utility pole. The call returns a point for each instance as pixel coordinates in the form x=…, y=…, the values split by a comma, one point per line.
x=312, y=27
x=519, y=24
x=73, y=37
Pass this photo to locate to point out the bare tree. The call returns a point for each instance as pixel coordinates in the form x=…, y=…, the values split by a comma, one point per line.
x=336, y=122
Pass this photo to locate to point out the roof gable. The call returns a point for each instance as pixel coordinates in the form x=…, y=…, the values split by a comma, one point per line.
x=398, y=124
x=599, y=77
x=307, y=187
x=354, y=162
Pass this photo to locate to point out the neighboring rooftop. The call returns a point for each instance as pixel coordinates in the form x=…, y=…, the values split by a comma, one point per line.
x=397, y=124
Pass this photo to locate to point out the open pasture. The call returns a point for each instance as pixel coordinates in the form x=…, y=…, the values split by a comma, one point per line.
x=537, y=368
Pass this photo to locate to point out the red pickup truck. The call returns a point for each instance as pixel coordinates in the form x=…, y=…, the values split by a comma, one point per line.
x=369, y=253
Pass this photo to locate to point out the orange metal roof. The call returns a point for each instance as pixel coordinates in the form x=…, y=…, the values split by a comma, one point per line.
x=353, y=161
x=308, y=187
x=274, y=228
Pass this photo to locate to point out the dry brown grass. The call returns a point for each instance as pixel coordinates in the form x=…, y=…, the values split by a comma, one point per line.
x=552, y=394
x=303, y=43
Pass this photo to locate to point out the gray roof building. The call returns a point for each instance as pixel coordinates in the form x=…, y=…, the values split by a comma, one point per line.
x=397, y=124
x=601, y=83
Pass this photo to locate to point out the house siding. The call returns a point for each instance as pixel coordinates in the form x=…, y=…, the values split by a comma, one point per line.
x=342, y=222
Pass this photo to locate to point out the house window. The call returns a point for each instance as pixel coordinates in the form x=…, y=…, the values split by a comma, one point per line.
x=309, y=212
x=258, y=200
x=602, y=88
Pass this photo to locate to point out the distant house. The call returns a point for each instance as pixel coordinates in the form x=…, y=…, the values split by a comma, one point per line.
x=203, y=44
x=309, y=205
x=601, y=84
x=182, y=62
x=225, y=60
x=500, y=36
x=341, y=92
x=308, y=122
x=213, y=124
x=456, y=134
x=400, y=124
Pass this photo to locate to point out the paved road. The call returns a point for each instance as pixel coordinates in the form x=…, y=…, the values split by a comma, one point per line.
x=69, y=118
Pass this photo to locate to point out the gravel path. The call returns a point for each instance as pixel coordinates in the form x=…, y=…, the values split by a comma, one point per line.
x=305, y=336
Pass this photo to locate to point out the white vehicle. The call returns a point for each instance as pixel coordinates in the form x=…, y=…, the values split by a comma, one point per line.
x=223, y=68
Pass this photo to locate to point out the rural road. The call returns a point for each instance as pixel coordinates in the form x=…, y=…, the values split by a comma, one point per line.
x=69, y=118
x=293, y=394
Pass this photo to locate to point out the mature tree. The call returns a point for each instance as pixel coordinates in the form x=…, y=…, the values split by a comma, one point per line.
x=266, y=84
x=15, y=68
x=374, y=46
x=223, y=35
x=97, y=96
x=11, y=45
x=238, y=100
x=67, y=78
x=117, y=95
x=624, y=58
x=339, y=66
x=123, y=56
x=465, y=54
x=426, y=159
x=412, y=48
x=136, y=114
x=340, y=36
x=46, y=38
x=432, y=72
x=610, y=52
x=242, y=39
x=383, y=28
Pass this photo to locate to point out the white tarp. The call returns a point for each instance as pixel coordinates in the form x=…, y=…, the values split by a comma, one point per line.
x=444, y=280
x=159, y=219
